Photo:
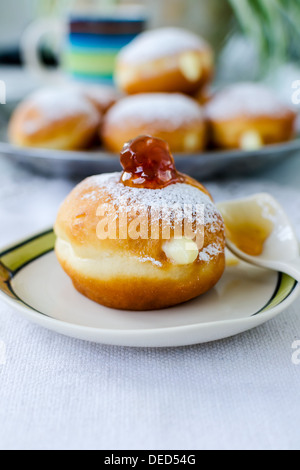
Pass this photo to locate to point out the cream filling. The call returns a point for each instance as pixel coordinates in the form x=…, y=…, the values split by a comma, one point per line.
x=191, y=66
x=192, y=142
x=251, y=141
x=182, y=251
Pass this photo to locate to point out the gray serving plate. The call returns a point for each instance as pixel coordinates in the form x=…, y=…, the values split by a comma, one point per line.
x=203, y=165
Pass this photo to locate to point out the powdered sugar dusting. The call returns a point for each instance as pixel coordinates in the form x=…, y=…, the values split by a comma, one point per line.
x=248, y=99
x=210, y=252
x=165, y=42
x=177, y=196
x=148, y=259
x=90, y=196
x=170, y=111
x=57, y=104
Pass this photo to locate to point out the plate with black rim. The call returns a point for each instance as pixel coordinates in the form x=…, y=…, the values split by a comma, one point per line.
x=32, y=281
x=202, y=165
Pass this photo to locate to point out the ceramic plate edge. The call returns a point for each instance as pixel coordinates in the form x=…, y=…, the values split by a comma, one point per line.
x=40, y=318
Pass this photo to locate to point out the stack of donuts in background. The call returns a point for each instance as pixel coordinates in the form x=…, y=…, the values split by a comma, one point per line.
x=163, y=79
x=161, y=71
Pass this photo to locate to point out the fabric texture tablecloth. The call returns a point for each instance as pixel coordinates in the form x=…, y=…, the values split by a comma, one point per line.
x=61, y=393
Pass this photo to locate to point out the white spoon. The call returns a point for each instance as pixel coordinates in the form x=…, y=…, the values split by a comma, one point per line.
x=261, y=222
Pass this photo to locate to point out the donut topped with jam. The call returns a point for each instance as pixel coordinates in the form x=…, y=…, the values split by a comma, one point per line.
x=145, y=239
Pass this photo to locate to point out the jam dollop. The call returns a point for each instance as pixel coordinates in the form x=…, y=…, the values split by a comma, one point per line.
x=148, y=163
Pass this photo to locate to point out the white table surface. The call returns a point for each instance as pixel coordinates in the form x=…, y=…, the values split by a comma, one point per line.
x=61, y=393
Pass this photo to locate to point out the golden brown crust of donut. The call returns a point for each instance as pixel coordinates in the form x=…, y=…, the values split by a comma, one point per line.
x=77, y=222
x=72, y=132
x=165, y=79
x=248, y=115
x=142, y=294
x=187, y=139
x=137, y=285
x=189, y=136
x=271, y=130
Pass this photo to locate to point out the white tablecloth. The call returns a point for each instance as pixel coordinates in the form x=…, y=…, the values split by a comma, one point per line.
x=60, y=393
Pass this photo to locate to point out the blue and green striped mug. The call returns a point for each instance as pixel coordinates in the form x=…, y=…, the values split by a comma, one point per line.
x=86, y=44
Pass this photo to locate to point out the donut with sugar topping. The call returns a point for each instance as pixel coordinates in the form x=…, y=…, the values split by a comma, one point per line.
x=176, y=118
x=59, y=119
x=145, y=239
x=248, y=116
x=165, y=60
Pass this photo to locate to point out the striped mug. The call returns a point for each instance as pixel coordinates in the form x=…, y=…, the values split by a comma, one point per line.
x=86, y=44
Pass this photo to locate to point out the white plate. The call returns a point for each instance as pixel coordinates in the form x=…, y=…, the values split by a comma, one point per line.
x=33, y=282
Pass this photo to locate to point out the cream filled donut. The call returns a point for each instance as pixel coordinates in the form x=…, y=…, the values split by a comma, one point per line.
x=175, y=118
x=165, y=60
x=144, y=239
x=60, y=119
x=248, y=116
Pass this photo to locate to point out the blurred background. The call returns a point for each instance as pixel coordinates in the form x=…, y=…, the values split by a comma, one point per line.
x=254, y=39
